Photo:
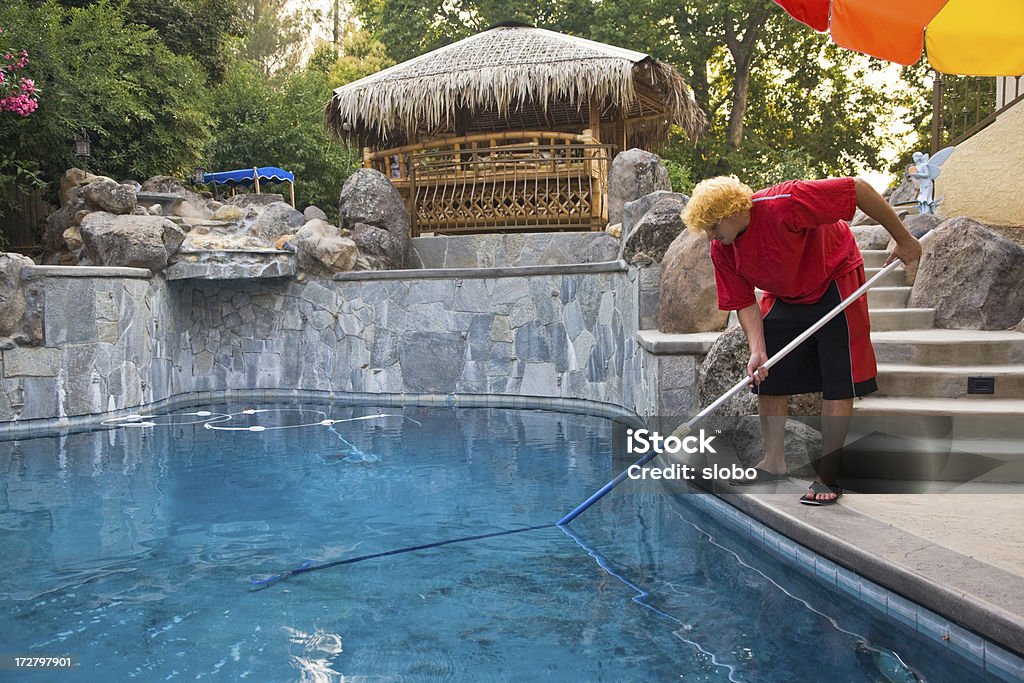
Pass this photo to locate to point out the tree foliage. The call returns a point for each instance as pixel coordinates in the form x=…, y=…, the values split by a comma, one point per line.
x=202, y=29
x=263, y=123
x=143, y=107
x=408, y=28
x=782, y=101
x=273, y=35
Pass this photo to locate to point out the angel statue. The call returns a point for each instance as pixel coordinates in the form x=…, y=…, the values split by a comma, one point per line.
x=926, y=169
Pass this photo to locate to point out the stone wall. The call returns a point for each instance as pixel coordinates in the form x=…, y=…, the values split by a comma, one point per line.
x=118, y=339
x=97, y=353
x=512, y=250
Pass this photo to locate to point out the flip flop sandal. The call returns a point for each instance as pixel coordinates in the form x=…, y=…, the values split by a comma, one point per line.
x=761, y=477
x=816, y=488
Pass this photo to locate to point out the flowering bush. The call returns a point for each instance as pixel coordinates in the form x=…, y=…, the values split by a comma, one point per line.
x=17, y=93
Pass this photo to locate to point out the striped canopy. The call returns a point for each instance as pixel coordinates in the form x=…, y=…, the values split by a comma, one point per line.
x=966, y=37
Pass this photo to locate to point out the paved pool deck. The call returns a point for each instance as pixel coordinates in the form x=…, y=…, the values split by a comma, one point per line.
x=960, y=555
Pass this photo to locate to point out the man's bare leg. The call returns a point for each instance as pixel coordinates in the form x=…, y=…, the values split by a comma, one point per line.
x=772, y=410
x=835, y=424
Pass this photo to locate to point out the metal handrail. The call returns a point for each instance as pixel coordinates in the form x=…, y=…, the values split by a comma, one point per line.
x=964, y=105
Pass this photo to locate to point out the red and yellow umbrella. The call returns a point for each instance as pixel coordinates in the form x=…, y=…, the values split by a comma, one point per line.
x=968, y=37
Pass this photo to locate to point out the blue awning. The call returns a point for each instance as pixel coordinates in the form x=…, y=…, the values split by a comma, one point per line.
x=245, y=176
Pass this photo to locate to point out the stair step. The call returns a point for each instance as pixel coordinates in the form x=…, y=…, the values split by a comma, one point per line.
x=948, y=347
x=895, y=379
x=888, y=319
x=894, y=278
x=960, y=418
x=888, y=297
x=874, y=258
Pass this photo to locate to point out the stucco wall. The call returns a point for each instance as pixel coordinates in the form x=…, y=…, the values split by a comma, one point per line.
x=984, y=177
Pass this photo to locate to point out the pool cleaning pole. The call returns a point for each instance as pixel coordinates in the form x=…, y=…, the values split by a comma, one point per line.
x=739, y=386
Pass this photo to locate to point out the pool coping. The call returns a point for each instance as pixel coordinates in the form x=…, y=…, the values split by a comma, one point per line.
x=987, y=600
x=618, y=266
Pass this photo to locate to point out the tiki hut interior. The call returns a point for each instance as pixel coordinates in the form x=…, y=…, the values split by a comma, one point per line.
x=512, y=129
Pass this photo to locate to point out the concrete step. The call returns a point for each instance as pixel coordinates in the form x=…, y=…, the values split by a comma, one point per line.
x=948, y=347
x=874, y=258
x=888, y=297
x=889, y=319
x=894, y=278
x=993, y=419
x=895, y=379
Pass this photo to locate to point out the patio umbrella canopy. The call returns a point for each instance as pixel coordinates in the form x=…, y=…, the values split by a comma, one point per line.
x=966, y=37
x=247, y=176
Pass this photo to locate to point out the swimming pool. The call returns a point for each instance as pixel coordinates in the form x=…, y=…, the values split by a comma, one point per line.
x=134, y=548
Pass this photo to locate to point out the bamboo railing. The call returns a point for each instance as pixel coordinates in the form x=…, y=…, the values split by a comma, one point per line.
x=500, y=182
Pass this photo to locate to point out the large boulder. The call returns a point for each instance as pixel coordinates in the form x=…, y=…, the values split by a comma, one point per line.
x=861, y=218
x=905, y=194
x=165, y=184
x=275, y=220
x=59, y=221
x=660, y=225
x=870, y=237
x=634, y=173
x=312, y=212
x=109, y=196
x=689, y=302
x=368, y=197
x=383, y=251
x=71, y=183
x=20, y=313
x=919, y=225
x=130, y=241
x=633, y=211
x=321, y=250
x=971, y=276
x=254, y=199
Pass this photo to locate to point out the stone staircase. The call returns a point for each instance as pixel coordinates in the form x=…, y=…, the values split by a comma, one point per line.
x=927, y=377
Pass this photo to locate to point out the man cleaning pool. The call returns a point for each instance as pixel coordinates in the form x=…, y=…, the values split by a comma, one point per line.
x=793, y=242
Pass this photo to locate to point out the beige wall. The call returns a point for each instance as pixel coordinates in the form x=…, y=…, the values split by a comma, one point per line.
x=984, y=177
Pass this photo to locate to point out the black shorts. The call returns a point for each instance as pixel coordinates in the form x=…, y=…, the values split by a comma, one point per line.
x=837, y=360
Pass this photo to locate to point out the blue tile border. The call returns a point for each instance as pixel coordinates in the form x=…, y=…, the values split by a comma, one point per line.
x=15, y=429
x=961, y=643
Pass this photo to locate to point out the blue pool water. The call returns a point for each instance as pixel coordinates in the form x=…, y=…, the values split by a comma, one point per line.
x=134, y=548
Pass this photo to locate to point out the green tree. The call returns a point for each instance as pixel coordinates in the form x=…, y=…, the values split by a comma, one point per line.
x=411, y=27
x=274, y=34
x=205, y=30
x=360, y=56
x=143, y=106
x=281, y=124
x=781, y=100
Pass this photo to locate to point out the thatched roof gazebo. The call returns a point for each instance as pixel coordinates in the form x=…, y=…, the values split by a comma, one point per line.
x=514, y=104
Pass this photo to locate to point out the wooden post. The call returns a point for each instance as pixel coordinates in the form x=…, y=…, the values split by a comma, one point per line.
x=292, y=183
x=367, y=163
x=595, y=121
x=620, y=133
x=410, y=202
x=256, y=177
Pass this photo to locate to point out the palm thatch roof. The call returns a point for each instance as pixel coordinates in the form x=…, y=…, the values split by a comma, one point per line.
x=515, y=77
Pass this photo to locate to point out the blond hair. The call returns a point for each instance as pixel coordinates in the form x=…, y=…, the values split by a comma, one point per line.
x=714, y=199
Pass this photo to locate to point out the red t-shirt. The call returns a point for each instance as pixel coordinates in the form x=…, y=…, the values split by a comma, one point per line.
x=797, y=242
